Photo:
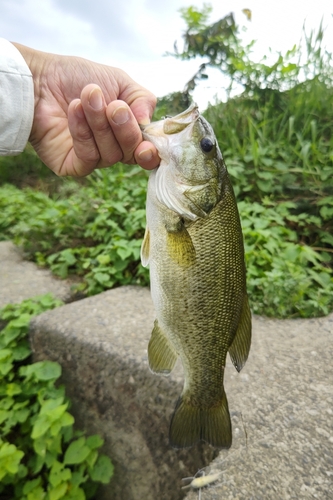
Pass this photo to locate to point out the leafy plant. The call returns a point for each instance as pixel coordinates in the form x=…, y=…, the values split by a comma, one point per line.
x=277, y=141
x=41, y=457
x=28, y=170
x=285, y=278
x=95, y=232
x=278, y=152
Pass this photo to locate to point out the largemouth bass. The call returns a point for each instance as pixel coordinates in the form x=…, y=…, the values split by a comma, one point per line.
x=193, y=245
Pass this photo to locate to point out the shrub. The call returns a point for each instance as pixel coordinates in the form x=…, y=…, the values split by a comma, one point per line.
x=41, y=456
x=285, y=278
x=93, y=231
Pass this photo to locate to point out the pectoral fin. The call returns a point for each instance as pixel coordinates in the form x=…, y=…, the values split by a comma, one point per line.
x=240, y=347
x=161, y=354
x=180, y=247
x=145, y=248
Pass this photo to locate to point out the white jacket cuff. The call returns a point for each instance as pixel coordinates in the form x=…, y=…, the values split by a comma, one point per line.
x=16, y=100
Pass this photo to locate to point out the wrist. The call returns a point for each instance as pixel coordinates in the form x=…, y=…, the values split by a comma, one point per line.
x=26, y=52
x=36, y=61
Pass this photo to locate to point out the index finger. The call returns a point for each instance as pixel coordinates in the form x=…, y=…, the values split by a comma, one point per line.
x=128, y=135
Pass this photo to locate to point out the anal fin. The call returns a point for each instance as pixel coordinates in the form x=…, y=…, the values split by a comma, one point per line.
x=161, y=354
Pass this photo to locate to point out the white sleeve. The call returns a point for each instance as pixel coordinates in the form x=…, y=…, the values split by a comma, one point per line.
x=16, y=100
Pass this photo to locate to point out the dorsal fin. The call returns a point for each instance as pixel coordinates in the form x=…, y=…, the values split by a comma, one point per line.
x=240, y=347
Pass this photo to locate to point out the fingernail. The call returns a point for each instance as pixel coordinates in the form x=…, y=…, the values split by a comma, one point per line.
x=79, y=111
x=146, y=155
x=96, y=99
x=120, y=115
x=145, y=121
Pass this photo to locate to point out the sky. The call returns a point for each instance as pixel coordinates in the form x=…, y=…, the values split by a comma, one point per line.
x=135, y=34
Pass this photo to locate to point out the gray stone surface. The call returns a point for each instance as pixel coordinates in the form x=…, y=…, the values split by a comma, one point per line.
x=101, y=343
x=22, y=280
x=282, y=407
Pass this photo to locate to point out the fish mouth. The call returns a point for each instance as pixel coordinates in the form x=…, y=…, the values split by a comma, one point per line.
x=171, y=125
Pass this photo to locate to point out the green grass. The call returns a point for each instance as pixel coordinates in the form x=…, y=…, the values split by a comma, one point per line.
x=275, y=150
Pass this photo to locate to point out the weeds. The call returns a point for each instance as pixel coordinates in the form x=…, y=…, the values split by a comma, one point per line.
x=41, y=456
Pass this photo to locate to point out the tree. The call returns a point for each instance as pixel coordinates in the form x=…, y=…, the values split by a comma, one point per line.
x=220, y=46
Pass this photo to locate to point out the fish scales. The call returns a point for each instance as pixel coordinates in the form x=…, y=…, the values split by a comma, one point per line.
x=194, y=248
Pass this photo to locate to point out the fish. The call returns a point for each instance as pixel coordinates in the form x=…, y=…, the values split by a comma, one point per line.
x=193, y=245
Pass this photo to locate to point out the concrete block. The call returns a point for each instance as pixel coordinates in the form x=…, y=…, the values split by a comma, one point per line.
x=281, y=403
x=101, y=343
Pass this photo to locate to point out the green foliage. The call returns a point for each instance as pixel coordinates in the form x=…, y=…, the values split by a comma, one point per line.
x=218, y=44
x=171, y=105
x=41, y=457
x=283, y=151
x=285, y=278
x=276, y=138
x=26, y=170
x=93, y=231
x=194, y=18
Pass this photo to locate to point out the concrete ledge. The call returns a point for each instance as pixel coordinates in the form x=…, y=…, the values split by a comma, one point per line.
x=281, y=403
x=101, y=343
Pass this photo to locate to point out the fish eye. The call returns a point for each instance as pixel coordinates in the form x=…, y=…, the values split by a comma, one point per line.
x=206, y=145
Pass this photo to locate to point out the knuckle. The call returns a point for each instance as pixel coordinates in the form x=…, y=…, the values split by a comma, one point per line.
x=113, y=157
x=87, y=153
x=100, y=127
x=82, y=134
x=128, y=144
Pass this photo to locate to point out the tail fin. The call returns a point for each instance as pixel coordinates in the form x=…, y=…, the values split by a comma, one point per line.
x=189, y=424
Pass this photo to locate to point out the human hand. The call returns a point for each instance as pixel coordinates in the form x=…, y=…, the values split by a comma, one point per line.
x=87, y=115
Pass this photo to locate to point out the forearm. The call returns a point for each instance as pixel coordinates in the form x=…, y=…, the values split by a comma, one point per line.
x=16, y=100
